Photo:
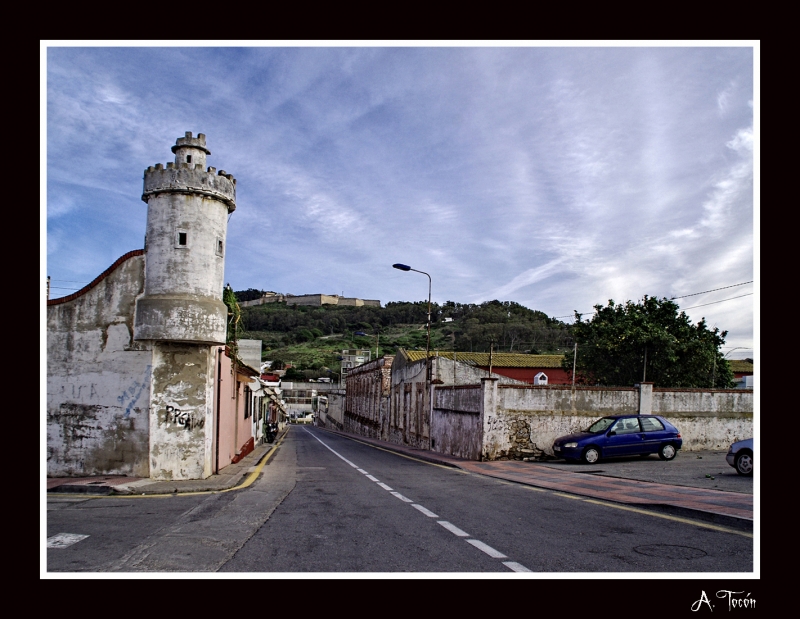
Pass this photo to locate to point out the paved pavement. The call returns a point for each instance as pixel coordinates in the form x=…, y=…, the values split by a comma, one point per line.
x=694, y=483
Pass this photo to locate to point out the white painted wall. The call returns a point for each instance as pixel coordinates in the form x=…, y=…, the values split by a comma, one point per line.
x=98, y=380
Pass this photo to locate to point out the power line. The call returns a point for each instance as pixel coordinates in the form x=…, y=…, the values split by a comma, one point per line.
x=713, y=302
x=694, y=294
x=67, y=281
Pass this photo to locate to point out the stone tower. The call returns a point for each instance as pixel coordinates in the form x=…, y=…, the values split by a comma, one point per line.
x=187, y=219
x=181, y=313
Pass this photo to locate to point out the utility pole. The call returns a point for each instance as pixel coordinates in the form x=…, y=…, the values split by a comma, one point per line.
x=644, y=372
x=574, y=360
x=713, y=371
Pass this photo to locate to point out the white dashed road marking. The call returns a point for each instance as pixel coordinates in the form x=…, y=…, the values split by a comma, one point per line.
x=427, y=512
x=495, y=554
x=62, y=540
x=453, y=528
x=515, y=567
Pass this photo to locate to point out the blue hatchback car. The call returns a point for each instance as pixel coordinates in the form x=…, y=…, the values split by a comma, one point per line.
x=621, y=435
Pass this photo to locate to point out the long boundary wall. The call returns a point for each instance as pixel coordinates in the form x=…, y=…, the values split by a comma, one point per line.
x=526, y=420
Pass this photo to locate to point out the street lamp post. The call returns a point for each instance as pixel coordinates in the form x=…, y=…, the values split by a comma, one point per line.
x=405, y=267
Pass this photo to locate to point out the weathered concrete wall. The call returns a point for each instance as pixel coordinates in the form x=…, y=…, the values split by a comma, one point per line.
x=456, y=427
x=250, y=352
x=526, y=421
x=367, y=402
x=676, y=401
x=182, y=411
x=335, y=411
x=98, y=378
x=459, y=373
x=707, y=419
x=409, y=415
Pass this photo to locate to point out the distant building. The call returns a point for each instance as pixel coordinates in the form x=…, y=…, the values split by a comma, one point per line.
x=353, y=357
x=310, y=299
x=742, y=372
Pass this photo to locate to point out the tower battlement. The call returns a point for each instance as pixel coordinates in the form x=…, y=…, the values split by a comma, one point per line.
x=189, y=142
x=186, y=177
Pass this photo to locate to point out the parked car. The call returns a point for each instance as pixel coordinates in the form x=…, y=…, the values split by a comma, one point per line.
x=621, y=435
x=740, y=456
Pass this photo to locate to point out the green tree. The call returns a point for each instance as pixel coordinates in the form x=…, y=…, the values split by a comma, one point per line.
x=623, y=344
x=234, y=317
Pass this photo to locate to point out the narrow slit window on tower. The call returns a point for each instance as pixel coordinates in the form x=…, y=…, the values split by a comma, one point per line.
x=181, y=239
x=188, y=159
x=219, y=246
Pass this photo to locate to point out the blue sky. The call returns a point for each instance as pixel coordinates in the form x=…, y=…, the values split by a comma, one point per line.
x=558, y=176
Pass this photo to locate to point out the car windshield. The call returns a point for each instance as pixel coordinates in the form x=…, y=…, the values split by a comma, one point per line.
x=601, y=425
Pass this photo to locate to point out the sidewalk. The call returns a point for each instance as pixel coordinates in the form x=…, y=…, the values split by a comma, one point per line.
x=595, y=482
x=229, y=477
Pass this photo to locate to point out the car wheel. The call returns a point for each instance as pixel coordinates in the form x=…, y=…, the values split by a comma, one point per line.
x=744, y=463
x=591, y=455
x=667, y=451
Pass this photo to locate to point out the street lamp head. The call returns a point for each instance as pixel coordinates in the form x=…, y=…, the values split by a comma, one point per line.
x=402, y=267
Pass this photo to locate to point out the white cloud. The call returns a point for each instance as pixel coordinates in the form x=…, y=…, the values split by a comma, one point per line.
x=554, y=177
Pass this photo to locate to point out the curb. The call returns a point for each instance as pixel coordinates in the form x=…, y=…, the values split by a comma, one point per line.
x=224, y=482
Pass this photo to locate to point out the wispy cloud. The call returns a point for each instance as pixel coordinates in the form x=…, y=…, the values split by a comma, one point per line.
x=554, y=177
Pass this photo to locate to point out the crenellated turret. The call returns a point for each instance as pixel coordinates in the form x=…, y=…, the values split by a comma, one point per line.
x=191, y=150
x=187, y=219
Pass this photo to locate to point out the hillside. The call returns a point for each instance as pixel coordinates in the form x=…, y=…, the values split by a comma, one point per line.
x=312, y=338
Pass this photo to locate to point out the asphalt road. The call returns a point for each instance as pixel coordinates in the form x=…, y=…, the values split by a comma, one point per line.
x=327, y=504
x=698, y=469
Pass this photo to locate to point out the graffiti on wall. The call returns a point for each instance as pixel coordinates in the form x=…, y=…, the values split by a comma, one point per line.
x=496, y=423
x=184, y=419
x=130, y=396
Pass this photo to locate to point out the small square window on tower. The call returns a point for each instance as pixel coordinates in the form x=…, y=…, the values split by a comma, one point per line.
x=181, y=239
x=219, y=246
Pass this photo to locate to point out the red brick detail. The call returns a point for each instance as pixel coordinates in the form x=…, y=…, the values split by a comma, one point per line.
x=246, y=449
x=97, y=280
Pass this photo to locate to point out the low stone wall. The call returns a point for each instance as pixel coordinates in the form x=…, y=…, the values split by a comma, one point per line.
x=525, y=421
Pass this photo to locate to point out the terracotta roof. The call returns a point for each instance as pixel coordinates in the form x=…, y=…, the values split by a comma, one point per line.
x=499, y=359
x=737, y=365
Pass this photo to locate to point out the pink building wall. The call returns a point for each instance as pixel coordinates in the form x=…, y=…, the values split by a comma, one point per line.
x=235, y=436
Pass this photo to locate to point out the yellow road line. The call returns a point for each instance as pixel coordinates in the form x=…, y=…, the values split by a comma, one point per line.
x=646, y=512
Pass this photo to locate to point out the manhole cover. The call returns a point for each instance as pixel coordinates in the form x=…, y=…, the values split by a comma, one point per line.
x=670, y=551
